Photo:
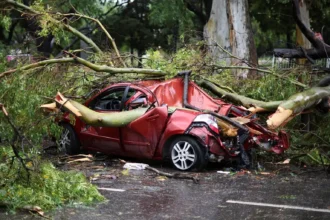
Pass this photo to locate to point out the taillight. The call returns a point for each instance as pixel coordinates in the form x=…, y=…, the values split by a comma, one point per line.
x=209, y=120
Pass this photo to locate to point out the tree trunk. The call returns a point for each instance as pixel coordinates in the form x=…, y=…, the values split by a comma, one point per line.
x=320, y=48
x=229, y=26
x=296, y=104
x=301, y=40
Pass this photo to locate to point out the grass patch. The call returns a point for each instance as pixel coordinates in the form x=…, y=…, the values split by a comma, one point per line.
x=47, y=187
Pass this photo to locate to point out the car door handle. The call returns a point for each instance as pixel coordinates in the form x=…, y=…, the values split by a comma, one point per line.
x=152, y=117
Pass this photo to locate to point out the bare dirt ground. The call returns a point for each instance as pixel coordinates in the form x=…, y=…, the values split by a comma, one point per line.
x=284, y=192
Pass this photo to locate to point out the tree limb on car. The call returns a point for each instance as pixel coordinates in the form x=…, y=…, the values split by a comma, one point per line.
x=93, y=118
x=252, y=104
x=285, y=110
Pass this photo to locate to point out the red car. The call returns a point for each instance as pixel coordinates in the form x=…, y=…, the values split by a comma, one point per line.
x=181, y=124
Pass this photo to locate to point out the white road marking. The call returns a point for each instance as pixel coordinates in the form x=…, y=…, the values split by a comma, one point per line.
x=278, y=206
x=112, y=189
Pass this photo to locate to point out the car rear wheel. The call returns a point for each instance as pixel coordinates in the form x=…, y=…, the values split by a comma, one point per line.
x=186, y=154
x=69, y=142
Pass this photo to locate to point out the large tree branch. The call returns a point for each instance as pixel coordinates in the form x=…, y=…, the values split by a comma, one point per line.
x=296, y=104
x=90, y=117
x=320, y=50
x=69, y=28
x=298, y=53
x=104, y=30
x=95, y=67
x=309, y=34
x=253, y=104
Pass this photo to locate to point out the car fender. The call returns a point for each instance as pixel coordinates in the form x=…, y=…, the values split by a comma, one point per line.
x=177, y=124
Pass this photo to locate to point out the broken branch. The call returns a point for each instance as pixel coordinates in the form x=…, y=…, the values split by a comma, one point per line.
x=66, y=26
x=104, y=30
x=296, y=104
x=90, y=117
x=95, y=67
x=256, y=105
x=174, y=175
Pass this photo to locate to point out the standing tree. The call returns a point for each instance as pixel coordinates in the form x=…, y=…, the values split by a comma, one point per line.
x=227, y=31
x=229, y=25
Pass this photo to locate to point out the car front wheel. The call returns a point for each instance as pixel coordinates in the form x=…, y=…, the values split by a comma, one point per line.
x=69, y=142
x=187, y=154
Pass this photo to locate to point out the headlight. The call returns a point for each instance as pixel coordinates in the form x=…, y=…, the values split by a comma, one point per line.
x=209, y=120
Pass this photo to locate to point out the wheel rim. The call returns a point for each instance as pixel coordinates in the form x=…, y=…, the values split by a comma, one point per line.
x=65, y=140
x=183, y=155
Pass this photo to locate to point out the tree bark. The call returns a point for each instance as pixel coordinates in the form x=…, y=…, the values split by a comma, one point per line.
x=320, y=50
x=253, y=104
x=229, y=26
x=285, y=110
x=95, y=67
x=93, y=118
x=296, y=104
x=301, y=40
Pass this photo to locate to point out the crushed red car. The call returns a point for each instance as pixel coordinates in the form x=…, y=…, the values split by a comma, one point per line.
x=180, y=125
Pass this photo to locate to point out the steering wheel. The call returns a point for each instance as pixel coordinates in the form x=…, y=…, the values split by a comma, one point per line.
x=151, y=106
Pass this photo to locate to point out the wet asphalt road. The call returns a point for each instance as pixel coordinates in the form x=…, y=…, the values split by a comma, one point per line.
x=147, y=196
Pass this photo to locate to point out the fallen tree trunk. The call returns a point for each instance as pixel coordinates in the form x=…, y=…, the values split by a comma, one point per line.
x=296, y=104
x=253, y=104
x=299, y=53
x=285, y=110
x=320, y=50
x=90, y=117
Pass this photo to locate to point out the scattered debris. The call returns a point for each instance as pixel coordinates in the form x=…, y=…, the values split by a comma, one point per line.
x=30, y=208
x=161, y=178
x=76, y=156
x=287, y=161
x=125, y=172
x=174, y=175
x=35, y=209
x=80, y=160
x=223, y=172
x=135, y=166
x=242, y=172
x=97, y=167
x=112, y=189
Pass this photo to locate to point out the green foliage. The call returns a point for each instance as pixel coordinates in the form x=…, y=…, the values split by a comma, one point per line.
x=188, y=58
x=23, y=92
x=47, y=186
x=171, y=16
x=5, y=22
x=56, y=29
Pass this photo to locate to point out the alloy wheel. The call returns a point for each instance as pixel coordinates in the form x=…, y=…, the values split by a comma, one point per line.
x=183, y=155
x=65, y=140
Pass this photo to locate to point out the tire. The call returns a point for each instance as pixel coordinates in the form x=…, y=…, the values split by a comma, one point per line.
x=186, y=154
x=69, y=141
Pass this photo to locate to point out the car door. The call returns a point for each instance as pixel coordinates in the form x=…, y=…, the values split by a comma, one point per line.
x=105, y=139
x=141, y=137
